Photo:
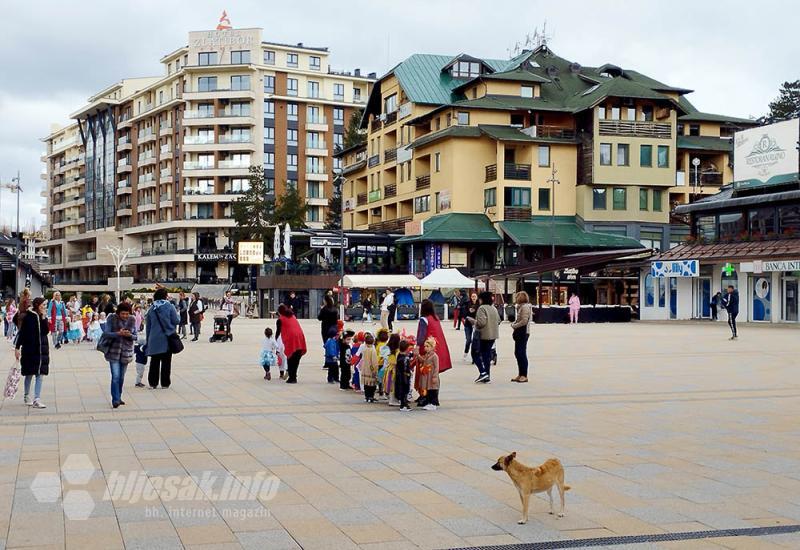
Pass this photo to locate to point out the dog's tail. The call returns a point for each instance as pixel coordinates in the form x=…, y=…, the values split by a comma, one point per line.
x=567, y=487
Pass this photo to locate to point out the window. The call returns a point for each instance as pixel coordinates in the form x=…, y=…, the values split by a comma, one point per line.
x=647, y=112
x=615, y=113
x=240, y=185
x=390, y=104
x=663, y=156
x=601, y=112
x=657, y=200
x=465, y=69
x=694, y=129
x=269, y=84
x=338, y=92
x=338, y=140
x=490, y=197
x=622, y=154
x=206, y=110
x=518, y=196
x=338, y=115
x=291, y=111
x=645, y=155
x=314, y=165
x=240, y=57
x=312, y=214
x=314, y=63
x=449, y=119
x=544, y=155
x=437, y=162
x=205, y=161
x=269, y=134
x=291, y=86
x=337, y=164
x=438, y=123
x=789, y=220
x=680, y=128
x=313, y=190
x=291, y=162
x=239, y=108
x=291, y=137
x=631, y=113
x=291, y=184
x=269, y=108
x=269, y=160
x=312, y=115
x=620, y=198
x=207, y=84
x=605, y=154
x=599, y=198
x=526, y=91
x=544, y=198
x=240, y=82
x=291, y=59
x=649, y=295
x=207, y=58
x=643, y=199
x=313, y=89
x=463, y=118
x=707, y=227
x=517, y=120
x=356, y=94
x=269, y=57
x=422, y=204
x=763, y=222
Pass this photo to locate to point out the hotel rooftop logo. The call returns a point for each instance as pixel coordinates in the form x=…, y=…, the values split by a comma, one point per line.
x=224, y=23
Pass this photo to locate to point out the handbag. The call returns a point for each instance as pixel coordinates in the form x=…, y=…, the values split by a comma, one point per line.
x=12, y=382
x=104, y=344
x=174, y=343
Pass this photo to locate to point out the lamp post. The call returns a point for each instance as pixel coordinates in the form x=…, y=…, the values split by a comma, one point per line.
x=553, y=181
x=339, y=180
x=119, y=255
x=696, y=164
x=15, y=187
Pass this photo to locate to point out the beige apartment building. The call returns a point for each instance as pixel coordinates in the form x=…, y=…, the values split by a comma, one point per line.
x=153, y=164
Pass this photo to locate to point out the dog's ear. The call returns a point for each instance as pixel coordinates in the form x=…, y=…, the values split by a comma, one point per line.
x=510, y=457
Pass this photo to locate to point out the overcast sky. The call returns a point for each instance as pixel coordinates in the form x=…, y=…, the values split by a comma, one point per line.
x=734, y=54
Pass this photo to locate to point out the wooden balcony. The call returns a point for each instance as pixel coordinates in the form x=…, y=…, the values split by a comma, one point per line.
x=517, y=213
x=390, y=155
x=491, y=173
x=423, y=182
x=361, y=199
x=386, y=226
x=552, y=132
x=636, y=128
x=391, y=118
x=375, y=124
x=374, y=160
x=390, y=191
x=705, y=178
x=517, y=171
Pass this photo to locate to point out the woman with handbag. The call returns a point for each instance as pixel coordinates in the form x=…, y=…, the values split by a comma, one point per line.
x=33, y=350
x=120, y=335
x=522, y=331
x=162, y=339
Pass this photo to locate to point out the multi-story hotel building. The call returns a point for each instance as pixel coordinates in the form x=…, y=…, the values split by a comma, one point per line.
x=471, y=145
x=153, y=164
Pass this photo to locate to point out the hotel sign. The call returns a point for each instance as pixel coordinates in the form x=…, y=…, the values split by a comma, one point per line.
x=678, y=268
x=760, y=266
x=765, y=152
x=215, y=257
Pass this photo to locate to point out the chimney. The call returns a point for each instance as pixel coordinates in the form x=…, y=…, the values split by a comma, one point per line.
x=372, y=75
x=299, y=44
x=357, y=72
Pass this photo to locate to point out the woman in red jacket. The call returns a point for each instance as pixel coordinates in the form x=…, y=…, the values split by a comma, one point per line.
x=294, y=341
x=430, y=326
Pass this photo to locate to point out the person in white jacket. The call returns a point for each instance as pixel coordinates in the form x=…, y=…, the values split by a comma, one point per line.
x=388, y=300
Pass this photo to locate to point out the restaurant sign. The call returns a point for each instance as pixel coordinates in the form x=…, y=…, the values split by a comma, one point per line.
x=677, y=268
x=251, y=253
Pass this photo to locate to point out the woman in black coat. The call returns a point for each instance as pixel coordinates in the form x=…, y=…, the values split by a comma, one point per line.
x=328, y=316
x=33, y=350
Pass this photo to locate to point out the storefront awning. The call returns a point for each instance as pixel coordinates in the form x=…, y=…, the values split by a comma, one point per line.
x=565, y=235
x=380, y=281
x=587, y=260
x=752, y=250
x=455, y=228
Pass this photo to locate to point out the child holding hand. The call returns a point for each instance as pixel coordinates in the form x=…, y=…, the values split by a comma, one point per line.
x=269, y=353
x=429, y=376
x=368, y=368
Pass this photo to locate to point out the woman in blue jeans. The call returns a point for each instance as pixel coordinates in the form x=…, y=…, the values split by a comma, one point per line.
x=522, y=331
x=121, y=328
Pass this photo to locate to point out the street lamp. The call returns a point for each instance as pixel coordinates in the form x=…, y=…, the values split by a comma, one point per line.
x=15, y=187
x=339, y=181
x=553, y=181
x=119, y=255
x=696, y=164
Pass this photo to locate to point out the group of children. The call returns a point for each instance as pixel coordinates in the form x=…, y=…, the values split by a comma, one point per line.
x=383, y=366
x=87, y=326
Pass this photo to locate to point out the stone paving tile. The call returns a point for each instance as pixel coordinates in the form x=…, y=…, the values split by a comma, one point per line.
x=678, y=432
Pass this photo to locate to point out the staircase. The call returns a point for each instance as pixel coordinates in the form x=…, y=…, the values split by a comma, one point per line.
x=211, y=292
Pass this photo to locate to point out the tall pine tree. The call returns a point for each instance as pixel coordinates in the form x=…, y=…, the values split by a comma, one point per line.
x=787, y=105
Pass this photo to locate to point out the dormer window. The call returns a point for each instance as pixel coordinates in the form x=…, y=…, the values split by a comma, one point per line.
x=466, y=69
x=526, y=91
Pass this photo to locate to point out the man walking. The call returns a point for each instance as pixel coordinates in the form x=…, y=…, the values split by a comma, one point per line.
x=195, y=315
x=715, y=302
x=388, y=300
x=730, y=303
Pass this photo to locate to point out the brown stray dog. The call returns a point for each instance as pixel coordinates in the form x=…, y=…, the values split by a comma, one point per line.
x=529, y=480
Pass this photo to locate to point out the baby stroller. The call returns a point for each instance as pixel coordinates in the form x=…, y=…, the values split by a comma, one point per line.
x=220, y=329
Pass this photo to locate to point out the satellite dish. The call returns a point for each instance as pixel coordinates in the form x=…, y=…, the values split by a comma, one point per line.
x=551, y=71
x=575, y=68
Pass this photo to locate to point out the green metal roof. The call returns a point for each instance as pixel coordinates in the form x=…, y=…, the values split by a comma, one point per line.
x=452, y=131
x=456, y=227
x=504, y=133
x=710, y=117
x=423, y=81
x=566, y=235
x=705, y=143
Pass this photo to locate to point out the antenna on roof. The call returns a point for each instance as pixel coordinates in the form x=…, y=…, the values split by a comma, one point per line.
x=532, y=41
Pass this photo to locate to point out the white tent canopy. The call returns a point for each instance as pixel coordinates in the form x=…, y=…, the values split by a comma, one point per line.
x=448, y=278
x=380, y=281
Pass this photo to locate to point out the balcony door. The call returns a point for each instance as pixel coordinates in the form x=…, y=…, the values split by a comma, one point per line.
x=509, y=155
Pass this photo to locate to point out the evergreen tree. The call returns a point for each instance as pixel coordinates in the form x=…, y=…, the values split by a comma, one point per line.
x=354, y=135
x=787, y=105
x=333, y=219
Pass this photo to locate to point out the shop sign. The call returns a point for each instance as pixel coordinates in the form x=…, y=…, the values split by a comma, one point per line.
x=349, y=204
x=251, y=253
x=760, y=266
x=328, y=242
x=569, y=274
x=765, y=152
x=215, y=257
x=678, y=268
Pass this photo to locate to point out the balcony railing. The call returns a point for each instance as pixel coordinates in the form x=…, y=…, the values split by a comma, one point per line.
x=397, y=224
x=390, y=118
x=235, y=138
x=316, y=120
x=375, y=125
x=390, y=190
x=235, y=113
x=198, y=140
x=234, y=163
x=519, y=213
x=82, y=257
x=491, y=173
x=390, y=155
x=361, y=199
x=635, y=128
x=374, y=160
x=423, y=182
x=315, y=169
x=517, y=171
x=169, y=249
x=705, y=178
x=195, y=113
x=196, y=165
x=547, y=131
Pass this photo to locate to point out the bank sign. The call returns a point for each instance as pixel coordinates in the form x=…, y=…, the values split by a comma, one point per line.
x=765, y=152
x=760, y=266
x=677, y=268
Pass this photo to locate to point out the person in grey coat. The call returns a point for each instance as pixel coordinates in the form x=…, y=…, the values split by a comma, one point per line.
x=487, y=321
x=161, y=320
x=121, y=328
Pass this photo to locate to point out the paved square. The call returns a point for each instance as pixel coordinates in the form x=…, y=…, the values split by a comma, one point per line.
x=661, y=427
